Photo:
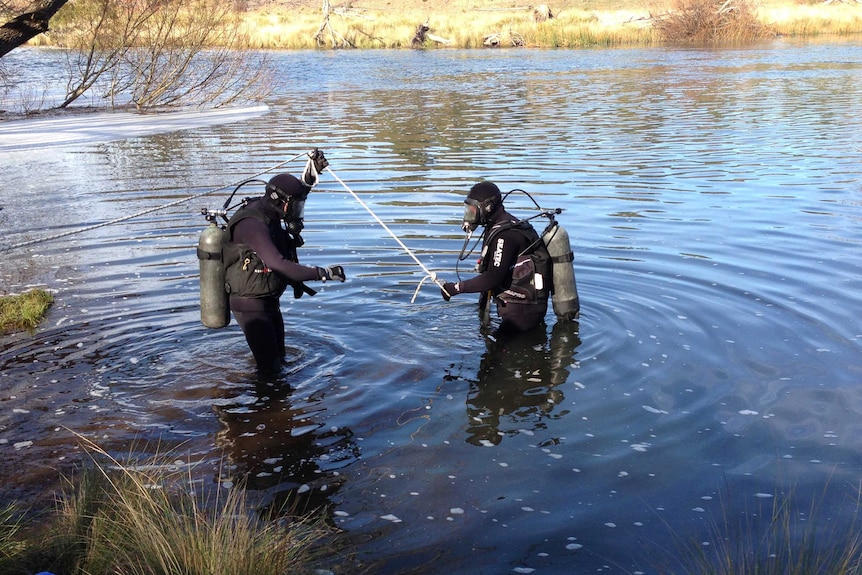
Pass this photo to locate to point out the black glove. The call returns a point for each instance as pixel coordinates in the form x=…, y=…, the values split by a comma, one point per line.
x=316, y=163
x=319, y=160
x=448, y=290
x=331, y=273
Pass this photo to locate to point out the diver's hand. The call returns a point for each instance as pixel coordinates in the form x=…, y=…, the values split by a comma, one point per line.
x=448, y=289
x=319, y=160
x=331, y=273
x=316, y=163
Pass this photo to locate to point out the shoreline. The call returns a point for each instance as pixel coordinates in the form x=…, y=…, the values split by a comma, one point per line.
x=376, y=24
x=570, y=26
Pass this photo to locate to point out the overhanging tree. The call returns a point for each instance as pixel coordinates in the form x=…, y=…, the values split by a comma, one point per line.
x=29, y=24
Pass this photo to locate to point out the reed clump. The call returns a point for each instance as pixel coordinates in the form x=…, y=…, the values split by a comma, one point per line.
x=780, y=537
x=11, y=544
x=148, y=520
x=24, y=311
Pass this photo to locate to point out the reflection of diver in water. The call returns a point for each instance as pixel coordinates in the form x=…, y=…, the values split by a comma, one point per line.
x=516, y=387
x=275, y=446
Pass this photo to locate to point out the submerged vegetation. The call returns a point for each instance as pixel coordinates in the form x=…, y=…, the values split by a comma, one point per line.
x=148, y=519
x=23, y=311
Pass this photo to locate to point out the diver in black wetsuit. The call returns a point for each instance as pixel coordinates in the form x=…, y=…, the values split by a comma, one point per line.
x=261, y=261
x=513, y=255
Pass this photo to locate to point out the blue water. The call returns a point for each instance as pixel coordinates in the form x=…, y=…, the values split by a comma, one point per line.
x=712, y=198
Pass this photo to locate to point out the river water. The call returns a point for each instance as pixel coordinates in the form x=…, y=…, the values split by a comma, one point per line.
x=712, y=198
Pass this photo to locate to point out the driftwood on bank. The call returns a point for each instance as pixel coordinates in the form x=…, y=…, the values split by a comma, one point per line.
x=508, y=38
x=541, y=13
x=338, y=41
x=423, y=33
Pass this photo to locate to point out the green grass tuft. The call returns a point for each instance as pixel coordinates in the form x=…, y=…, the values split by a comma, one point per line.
x=23, y=311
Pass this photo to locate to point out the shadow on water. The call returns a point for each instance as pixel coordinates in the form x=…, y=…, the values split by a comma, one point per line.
x=276, y=443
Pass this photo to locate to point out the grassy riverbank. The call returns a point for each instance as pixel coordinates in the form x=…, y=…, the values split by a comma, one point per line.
x=303, y=24
x=573, y=23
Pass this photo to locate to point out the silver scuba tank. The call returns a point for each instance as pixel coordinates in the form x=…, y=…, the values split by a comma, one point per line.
x=564, y=294
x=215, y=312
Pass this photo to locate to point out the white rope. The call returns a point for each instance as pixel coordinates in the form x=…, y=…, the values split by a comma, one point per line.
x=428, y=273
x=4, y=249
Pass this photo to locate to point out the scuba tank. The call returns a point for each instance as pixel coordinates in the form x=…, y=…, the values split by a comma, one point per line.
x=215, y=312
x=215, y=308
x=564, y=296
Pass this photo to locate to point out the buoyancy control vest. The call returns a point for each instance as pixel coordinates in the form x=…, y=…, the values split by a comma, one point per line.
x=531, y=272
x=246, y=275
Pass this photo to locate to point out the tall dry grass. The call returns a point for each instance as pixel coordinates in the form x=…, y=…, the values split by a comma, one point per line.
x=582, y=28
x=689, y=21
x=813, y=19
x=301, y=26
x=11, y=545
x=278, y=28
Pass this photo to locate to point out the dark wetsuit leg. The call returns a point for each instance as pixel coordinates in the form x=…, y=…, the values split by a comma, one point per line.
x=263, y=325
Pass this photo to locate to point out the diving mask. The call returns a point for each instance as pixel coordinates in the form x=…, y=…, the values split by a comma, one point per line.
x=472, y=216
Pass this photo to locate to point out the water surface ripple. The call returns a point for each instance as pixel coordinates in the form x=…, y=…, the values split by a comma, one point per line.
x=713, y=201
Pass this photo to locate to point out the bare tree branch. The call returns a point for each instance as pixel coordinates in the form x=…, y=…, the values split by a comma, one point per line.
x=158, y=53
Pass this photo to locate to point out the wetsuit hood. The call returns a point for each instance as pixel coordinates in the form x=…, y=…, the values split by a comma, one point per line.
x=481, y=205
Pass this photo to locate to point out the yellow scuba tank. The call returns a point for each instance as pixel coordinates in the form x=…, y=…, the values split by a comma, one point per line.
x=215, y=312
x=564, y=295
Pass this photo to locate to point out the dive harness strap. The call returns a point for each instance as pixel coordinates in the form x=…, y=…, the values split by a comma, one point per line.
x=565, y=258
x=301, y=286
x=204, y=255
